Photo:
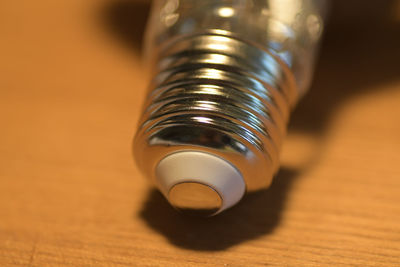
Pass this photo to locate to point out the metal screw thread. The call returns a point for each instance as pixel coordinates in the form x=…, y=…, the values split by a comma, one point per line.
x=217, y=93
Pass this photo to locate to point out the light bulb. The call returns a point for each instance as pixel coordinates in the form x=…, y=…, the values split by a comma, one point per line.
x=226, y=74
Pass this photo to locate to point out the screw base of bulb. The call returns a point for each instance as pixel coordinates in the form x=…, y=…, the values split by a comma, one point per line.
x=217, y=94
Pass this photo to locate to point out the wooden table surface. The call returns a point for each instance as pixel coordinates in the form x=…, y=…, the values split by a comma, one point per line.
x=71, y=87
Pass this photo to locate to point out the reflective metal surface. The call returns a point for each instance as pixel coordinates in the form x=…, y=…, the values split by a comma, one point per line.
x=222, y=95
x=195, y=199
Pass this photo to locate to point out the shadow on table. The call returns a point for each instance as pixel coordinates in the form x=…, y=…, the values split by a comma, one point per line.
x=354, y=58
x=258, y=214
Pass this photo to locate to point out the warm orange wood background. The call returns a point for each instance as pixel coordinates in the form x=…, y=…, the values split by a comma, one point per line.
x=71, y=86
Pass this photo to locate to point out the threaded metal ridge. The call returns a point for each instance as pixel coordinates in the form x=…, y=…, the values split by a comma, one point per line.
x=222, y=95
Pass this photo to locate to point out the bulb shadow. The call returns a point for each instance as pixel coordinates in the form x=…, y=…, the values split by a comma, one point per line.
x=126, y=21
x=257, y=214
x=354, y=58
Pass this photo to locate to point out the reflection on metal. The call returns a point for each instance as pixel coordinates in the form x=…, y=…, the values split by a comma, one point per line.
x=195, y=199
x=226, y=12
x=218, y=94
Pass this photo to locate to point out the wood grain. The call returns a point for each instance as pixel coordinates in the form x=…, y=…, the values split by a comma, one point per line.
x=71, y=86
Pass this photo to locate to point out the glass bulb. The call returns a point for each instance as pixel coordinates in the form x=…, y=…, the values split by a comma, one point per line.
x=226, y=75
